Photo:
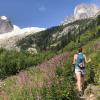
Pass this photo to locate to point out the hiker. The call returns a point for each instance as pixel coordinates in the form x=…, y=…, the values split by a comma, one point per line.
x=80, y=61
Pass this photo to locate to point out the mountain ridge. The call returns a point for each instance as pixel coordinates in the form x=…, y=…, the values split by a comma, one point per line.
x=82, y=11
x=51, y=38
x=10, y=34
x=5, y=25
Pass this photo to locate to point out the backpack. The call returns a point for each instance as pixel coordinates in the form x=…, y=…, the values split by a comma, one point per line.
x=80, y=60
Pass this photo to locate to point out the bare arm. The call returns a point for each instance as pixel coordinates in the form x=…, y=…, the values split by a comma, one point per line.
x=87, y=61
x=74, y=59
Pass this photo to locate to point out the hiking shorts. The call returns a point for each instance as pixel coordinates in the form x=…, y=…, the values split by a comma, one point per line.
x=81, y=71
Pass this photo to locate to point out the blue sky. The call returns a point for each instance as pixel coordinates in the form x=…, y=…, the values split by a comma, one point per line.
x=39, y=13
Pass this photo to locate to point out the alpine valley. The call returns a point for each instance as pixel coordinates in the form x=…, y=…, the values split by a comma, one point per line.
x=36, y=63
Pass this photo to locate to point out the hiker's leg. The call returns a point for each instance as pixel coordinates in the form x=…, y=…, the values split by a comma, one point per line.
x=82, y=78
x=78, y=76
x=83, y=84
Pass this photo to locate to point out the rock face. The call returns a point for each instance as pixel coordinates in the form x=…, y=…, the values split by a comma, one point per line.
x=9, y=40
x=85, y=11
x=69, y=19
x=82, y=11
x=5, y=25
x=10, y=34
x=31, y=39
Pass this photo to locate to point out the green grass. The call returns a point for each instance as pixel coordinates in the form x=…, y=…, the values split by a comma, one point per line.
x=11, y=62
x=26, y=91
x=63, y=84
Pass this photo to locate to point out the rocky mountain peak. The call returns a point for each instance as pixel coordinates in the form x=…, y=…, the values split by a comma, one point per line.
x=5, y=25
x=3, y=17
x=10, y=34
x=82, y=11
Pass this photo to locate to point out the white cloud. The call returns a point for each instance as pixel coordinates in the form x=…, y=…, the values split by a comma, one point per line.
x=42, y=8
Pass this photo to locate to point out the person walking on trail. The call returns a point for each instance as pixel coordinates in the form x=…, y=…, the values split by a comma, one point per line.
x=80, y=62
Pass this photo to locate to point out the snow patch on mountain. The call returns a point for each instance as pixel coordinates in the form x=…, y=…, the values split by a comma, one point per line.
x=3, y=17
x=32, y=29
x=18, y=31
x=9, y=40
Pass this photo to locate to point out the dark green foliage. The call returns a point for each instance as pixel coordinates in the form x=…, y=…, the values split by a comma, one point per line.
x=11, y=62
x=44, y=39
x=98, y=20
x=41, y=39
x=62, y=86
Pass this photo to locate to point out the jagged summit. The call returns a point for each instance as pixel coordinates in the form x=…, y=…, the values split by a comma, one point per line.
x=82, y=11
x=10, y=34
x=3, y=17
x=5, y=25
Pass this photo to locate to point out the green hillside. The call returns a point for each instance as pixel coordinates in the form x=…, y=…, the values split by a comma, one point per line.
x=48, y=75
x=59, y=36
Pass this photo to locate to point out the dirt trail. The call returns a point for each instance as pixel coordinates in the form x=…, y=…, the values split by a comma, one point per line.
x=47, y=68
